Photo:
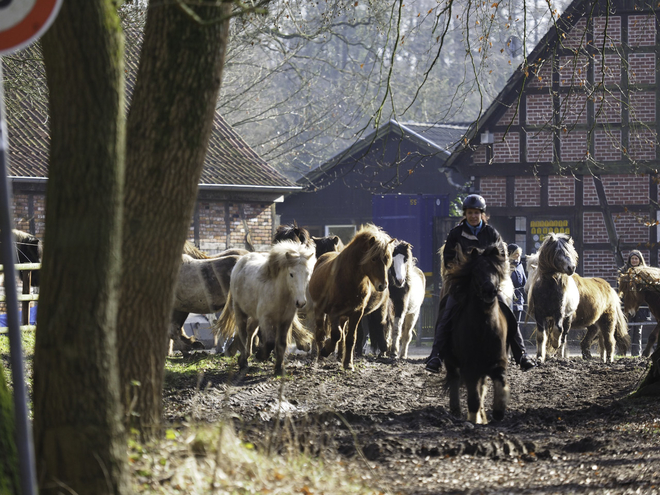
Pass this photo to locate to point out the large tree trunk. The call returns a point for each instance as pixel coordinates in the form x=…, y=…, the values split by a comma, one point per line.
x=79, y=437
x=168, y=130
x=9, y=474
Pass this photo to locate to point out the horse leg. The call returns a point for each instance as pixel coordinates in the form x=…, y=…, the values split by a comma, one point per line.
x=585, y=343
x=500, y=394
x=243, y=336
x=541, y=340
x=408, y=325
x=454, y=386
x=607, y=328
x=349, y=340
x=330, y=344
x=280, y=347
x=653, y=338
x=474, y=400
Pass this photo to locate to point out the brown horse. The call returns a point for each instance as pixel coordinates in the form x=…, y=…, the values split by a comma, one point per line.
x=638, y=286
x=349, y=284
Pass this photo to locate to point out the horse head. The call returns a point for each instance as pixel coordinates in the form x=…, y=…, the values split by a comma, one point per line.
x=402, y=261
x=377, y=259
x=557, y=254
x=327, y=244
x=631, y=289
x=479, y=272
x=293, y=233
x=294, y=262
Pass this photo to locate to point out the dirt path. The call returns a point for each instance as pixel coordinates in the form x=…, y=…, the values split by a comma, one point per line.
x=568, y=427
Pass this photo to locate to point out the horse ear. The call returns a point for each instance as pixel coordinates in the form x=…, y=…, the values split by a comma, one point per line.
x=335, y=240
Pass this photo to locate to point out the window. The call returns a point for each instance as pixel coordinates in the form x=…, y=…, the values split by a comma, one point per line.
x=521, y=233
x=345, y=232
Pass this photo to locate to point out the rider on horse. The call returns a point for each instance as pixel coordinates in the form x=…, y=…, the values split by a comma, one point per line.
x=472, y=231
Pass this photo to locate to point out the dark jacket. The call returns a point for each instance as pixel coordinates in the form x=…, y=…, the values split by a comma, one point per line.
x=519, y=279
x=461, y=234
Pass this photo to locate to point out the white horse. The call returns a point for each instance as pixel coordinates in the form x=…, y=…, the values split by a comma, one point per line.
x=268, y=288
x=407, y=289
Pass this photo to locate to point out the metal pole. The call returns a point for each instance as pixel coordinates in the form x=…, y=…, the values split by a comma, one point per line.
x=24, y=442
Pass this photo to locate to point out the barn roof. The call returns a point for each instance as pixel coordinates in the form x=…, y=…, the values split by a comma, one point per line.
x=434, y=137
x=230, y=162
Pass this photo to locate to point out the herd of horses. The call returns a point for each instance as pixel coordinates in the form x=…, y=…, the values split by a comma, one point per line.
x=316, y=292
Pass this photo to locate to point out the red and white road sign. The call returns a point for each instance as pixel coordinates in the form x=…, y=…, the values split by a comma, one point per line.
x=23, y=21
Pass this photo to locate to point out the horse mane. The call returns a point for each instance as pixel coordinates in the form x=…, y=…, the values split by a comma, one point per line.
x=546, y=253
x=532, y=266
x=286, y=254
x=193, y=251
x=292, y=232
x=633, y=282
x=460, y=272
x=381, y=245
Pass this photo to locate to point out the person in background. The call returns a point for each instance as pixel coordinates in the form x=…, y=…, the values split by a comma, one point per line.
x=473, y=231
x=519, y=279
x=636, y=259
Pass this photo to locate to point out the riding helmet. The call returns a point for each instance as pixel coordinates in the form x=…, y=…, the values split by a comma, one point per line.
x=474, y=201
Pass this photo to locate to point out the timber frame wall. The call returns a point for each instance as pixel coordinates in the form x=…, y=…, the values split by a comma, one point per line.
x=581, y=115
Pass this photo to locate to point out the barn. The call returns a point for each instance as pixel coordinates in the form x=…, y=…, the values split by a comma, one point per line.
x=570, y=143
x=395, y=177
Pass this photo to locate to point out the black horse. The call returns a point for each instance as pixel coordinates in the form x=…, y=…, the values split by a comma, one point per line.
x=28, y=250
x=293, y=233
x=478, y=350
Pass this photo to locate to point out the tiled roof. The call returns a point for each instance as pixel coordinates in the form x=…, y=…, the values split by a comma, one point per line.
x=446, y=136
x=229, y=159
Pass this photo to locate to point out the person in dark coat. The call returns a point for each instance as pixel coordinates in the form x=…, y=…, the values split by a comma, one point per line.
x=636, y=259
x=519, y=279
x=472, y=231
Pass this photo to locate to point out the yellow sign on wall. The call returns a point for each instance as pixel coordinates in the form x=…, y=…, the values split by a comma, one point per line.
x=539, y=229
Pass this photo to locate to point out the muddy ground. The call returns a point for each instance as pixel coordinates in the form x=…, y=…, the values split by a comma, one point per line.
x=569, y=428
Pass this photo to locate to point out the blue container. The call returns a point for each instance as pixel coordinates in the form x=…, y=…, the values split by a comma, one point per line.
x=409, y=217
x=33, y=317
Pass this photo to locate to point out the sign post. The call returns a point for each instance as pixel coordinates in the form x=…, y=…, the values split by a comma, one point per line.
x=21, y=23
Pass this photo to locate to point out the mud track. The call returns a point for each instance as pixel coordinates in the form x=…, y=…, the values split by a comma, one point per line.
x=569, y=428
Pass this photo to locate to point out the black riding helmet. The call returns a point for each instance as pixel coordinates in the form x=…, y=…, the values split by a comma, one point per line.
x=474, y=201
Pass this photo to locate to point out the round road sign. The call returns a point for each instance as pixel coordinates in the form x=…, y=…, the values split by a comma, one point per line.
x=23, y=21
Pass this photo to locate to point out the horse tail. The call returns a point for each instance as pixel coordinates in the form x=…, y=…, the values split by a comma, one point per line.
x=621, y=331
x=299, y=334
x=225, y=325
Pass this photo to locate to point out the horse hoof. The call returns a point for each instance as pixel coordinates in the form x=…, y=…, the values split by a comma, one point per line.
x=586, y=355
x=498, y=415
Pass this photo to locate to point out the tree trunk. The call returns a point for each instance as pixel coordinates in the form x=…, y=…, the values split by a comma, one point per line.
x=79, y=437
x=650, y=386
x=168, y=130
x=9, y=474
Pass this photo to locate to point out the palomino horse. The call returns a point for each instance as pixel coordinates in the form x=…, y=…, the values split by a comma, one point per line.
x=560, y=299
x=349, y=284
x=478, y=350
x=641, y=285
x=268, y=288
x=407, y=286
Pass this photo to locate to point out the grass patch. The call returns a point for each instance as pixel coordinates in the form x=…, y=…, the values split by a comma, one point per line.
x=212, y=459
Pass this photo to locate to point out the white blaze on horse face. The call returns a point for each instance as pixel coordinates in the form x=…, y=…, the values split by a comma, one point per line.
x=400, y=269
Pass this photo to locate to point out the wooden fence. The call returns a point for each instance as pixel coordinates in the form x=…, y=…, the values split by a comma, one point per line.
x=25, y=298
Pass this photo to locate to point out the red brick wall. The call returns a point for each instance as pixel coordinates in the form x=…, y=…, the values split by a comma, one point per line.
x=607, y=145
x=642, y=143
x=642, y=106
x=607, y=108
x=631, y=227
x=539, y=146
x=599, y=263
x=641, y=30
x=539, y=109
x=506, y=149
x=611, y=37
x=576, y=37
x=573, y=146
x=542, y=77
x=610, y=73
x=620, y=189
x=594, y=227
x=573, y=109
x=527, y=191
x=511, y=116
x=21, y=212
x=573, y=71
x=257, y=216
x=641, y=68
x=479, y=155
x=561, y=191
x=493, y=189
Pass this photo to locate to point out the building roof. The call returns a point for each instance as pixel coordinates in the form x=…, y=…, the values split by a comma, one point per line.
x=435, y=137
x=230, y=162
